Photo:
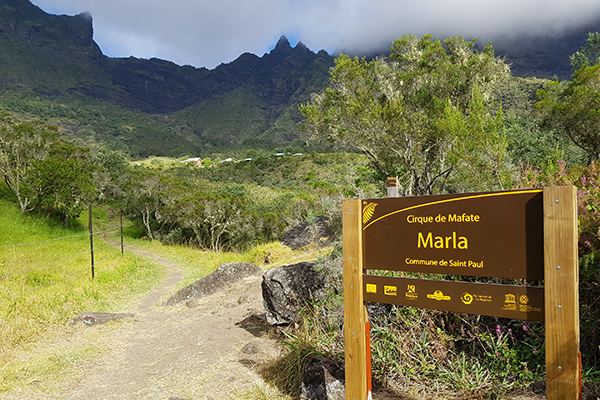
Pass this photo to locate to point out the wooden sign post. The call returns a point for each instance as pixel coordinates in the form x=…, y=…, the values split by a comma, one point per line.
x=528, y=234
x=355, y=312
x=563, y=371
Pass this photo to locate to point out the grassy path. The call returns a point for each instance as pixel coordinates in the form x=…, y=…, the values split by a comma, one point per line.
x=167, y=352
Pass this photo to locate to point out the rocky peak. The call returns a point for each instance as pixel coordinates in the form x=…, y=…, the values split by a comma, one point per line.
x=21, y=18
x=282, y=44
x=282, y=48
x=154, y=86
x=301, y=46
x=86, y=16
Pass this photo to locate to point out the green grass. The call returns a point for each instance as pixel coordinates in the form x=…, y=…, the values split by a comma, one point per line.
x=37, y=363
x=199, y=263
x=46, y=279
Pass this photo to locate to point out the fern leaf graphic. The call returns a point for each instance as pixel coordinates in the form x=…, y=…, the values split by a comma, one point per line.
x=368, y=212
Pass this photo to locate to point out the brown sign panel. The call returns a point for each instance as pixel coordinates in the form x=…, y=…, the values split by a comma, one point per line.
x=508, y=301
x=495, y=234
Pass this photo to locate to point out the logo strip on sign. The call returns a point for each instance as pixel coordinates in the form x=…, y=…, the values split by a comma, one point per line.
x=508, y=301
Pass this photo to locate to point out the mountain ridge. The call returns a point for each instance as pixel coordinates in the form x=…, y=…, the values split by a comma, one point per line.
x=150, y=85
x=55, y=58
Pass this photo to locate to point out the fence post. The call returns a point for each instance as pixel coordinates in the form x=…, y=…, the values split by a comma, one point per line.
x=121, y=213
x=91, y=241
x=561, y=281
x=392, y=186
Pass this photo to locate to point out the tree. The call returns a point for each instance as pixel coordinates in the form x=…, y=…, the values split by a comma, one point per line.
x=43, y=169
x=145, y=198
x=21, y=144
x=110, y=171
x=478, y=147
x=588, y=54
x=414, y=114
x=574, y=107
x=61, y=182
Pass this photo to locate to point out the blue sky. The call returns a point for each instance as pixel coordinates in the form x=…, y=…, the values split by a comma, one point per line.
x=205, y=33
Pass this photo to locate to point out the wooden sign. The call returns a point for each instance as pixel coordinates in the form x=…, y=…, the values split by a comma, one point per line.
x=529, y=234
x=498, y=234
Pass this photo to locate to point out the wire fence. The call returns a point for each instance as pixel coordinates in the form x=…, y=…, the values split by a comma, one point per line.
x=23, y=249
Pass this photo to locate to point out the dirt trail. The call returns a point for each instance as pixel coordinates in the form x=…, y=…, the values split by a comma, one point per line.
x=179, y=352
x=210, y=350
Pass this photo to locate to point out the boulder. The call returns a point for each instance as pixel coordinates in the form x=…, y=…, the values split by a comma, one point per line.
x=97, y=318
x=323, y=379
x=218, y=280
x=286, y=289
x=306, y=233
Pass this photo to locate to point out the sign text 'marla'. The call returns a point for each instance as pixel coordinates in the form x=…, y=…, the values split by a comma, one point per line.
x=496, y=234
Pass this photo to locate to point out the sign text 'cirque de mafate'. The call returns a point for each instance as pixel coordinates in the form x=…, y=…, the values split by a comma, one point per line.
x=496, y=234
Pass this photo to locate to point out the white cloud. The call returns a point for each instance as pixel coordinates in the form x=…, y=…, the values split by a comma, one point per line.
x=207, y=33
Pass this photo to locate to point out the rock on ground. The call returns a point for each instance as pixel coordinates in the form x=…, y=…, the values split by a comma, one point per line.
x=97, y=318
x=323, y=379
x=286, y=289
x=306, y=233
x=220, y=279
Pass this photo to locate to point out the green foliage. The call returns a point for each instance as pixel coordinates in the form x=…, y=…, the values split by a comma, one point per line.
x=529, y=141
x=589, y=281
x=46, y=70
x=426, y=351
x=287, y=373
x=90, y=121
x=529, y=144
x=589, y=54
x=587, y=181
x=62, y=183
x=479, y=145
x=574, y=107
x=42, y=169
x=227, y=121
x=421, y=114
x=316, y=334
x=513, y=353
x=21, y=144
x=235, y=205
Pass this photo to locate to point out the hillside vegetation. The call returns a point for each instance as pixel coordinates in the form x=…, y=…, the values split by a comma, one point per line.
x=245, y=205
x=51, y=68
x=45, y=277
